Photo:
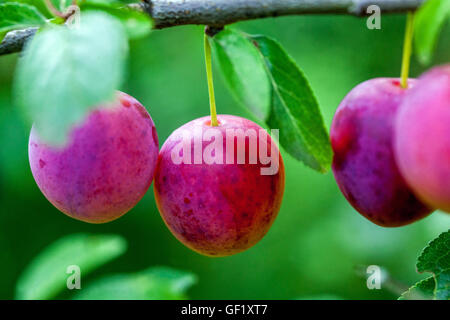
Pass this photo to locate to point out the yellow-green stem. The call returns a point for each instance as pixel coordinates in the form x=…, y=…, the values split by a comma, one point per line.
x=212, y=100
x=407, y=49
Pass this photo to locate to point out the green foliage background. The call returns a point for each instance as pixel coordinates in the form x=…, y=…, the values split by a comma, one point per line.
x=317, y=239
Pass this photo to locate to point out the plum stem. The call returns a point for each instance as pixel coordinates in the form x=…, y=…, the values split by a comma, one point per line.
x=209, y=76
x=407, y=49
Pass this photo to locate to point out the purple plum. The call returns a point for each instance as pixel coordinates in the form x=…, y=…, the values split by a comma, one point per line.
x=364, y=165
x=422, y=138
x=106, y=166
x=220, y=198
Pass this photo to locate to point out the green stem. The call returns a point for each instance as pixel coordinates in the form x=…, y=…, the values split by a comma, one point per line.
x=407, y=49
x=212, y=100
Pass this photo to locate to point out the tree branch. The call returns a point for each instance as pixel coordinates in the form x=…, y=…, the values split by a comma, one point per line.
x=218, y=13
x=168, y=13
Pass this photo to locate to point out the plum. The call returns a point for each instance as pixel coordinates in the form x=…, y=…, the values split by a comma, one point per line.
x=422, y=138
x=106, y=166
x=364, y=166
x=219, y=201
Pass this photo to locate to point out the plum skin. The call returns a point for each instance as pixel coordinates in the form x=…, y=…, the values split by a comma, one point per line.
x=363, y=164
x=217, y=209
x=422, y=138
x=106, y=166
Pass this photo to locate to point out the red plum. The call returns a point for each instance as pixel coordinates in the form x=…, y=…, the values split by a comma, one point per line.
x=218, y=199
x=364, y=166
x=106, y=166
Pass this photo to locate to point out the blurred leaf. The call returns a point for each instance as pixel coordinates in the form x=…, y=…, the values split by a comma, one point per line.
x=137, y=24
x=61, y=5
x=294, y=109
x=42, y=7
x=435, y=258
x=46, y=276
x=422, y=290
x=15, y=16
x=158, y=283
x=65, y=72
x=243, y=71
x=430, y=19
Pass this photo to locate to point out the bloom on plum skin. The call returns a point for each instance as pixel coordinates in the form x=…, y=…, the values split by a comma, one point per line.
x=106, y=166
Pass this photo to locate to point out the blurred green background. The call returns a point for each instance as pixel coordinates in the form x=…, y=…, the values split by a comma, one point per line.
x=317, y=239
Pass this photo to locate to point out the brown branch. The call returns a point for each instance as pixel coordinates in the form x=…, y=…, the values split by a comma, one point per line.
x=218, y=13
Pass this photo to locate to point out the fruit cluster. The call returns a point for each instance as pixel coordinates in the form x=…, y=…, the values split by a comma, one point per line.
x=392, y=148
x=216, y=209
x=391, y=161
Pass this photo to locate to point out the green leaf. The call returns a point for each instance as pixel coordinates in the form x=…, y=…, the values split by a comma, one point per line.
x=243, y=71
x=294, y=109
x=157, y=283
x=422, y=290
x=45, y=277
x=62, y=5
x=137, y=24
x=430, y=19
x=15, y=16
x=40, y=5
x=66, y=72
x=435, y=258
